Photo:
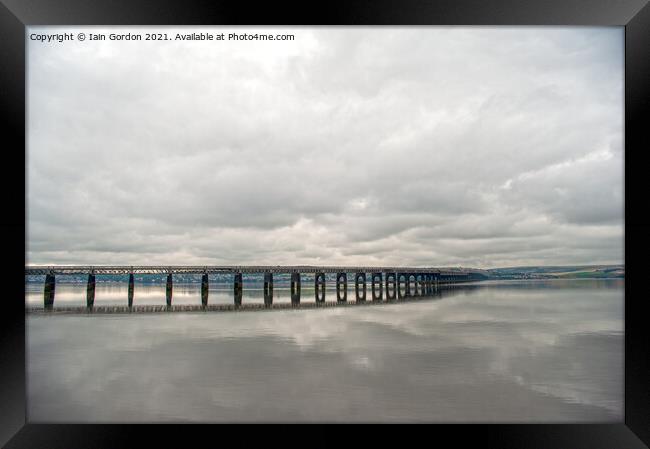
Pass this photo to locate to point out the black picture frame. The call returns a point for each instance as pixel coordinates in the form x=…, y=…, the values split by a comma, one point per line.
x=15, y=15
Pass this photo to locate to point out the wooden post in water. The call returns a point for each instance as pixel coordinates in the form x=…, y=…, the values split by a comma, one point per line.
x=48, y=291
x=90, y=291
x=205, y=287
x=169, y=289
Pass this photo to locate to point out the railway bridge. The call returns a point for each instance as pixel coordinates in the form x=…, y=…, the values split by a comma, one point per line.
x=399, y=282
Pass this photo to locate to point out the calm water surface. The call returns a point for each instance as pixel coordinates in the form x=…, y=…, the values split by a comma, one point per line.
x=517, y=351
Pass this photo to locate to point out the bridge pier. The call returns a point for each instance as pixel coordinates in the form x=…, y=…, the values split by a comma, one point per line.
x=402, y=279
x=342, y=287
x=90, y=291
x=238, y=285
x=360, y=285
x=48, y=291
x=295, y=288
x=268, y=289
x=376, y=280
x=168, y=290
x=319, y=287
x=131, y=288
x=205, y=287
x=414, y=290
x=391, y=280
x=423, y=282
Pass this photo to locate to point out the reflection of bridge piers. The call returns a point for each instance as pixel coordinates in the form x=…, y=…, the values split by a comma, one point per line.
x=377, y=288
x=268, y=289
x=90, y=291
x=319, y=287
x=205, y=289
x=400, y=283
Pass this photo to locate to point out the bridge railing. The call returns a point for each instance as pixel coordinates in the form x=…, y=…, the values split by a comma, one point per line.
x=213, y=269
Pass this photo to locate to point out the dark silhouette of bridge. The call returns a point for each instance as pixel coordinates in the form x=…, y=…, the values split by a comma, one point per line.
x=399, y=282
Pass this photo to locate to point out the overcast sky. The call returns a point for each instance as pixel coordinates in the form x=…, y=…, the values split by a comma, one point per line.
x=422, y=146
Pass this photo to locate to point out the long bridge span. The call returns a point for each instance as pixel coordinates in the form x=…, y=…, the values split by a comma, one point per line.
x=399, y=282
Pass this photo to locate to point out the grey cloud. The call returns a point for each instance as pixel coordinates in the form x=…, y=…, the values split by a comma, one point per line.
x=426, y=145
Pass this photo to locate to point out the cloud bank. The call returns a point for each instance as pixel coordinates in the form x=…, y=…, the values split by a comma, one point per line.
x=431, y=146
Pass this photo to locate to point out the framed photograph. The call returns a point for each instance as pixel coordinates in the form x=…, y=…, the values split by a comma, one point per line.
x=365, y=213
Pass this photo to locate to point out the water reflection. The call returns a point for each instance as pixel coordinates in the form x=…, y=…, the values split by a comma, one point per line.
x=502, y=353
x=116, y=294
x=113, y=294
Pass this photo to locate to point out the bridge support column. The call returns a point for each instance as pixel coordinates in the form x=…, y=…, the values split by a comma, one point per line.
x=131, y=289
x=409, y=292
x=319, y=287
x=90, y=291
x=295, y=288
x=402, y=279
x=377, y=285
x=48, y=291
x=238, y=288
x=415, y=290
x=423, y=284
x=268, y=289
x=342, y=287
x=205, y=288
x=360, y=286
x=391, y=286
x=169, y=289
